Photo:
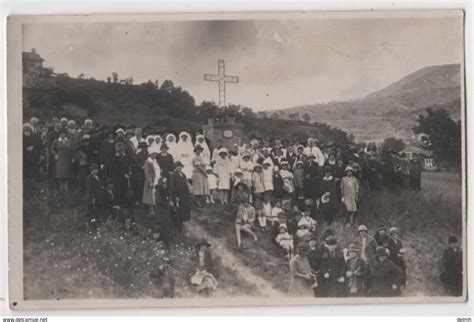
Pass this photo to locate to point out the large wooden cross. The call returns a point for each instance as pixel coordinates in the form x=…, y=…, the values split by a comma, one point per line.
x=221, y=78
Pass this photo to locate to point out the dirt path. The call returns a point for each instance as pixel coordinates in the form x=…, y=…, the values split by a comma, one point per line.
x=264, y=287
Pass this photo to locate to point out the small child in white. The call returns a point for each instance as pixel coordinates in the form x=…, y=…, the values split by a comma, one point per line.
x=285, y=240
x=212, y=183
x=307, y=220
x=275, y=213
x=303, y=233
x=267, y=208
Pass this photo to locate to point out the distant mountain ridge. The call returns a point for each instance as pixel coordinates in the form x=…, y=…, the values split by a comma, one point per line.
x=392, y=110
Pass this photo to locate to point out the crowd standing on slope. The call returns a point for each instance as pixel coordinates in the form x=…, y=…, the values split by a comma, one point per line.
x=289, y=189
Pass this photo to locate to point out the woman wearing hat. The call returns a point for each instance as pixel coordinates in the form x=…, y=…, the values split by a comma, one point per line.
x=200, y=184
x=452, y=260
x=152, y=175
x=311, y=185
x=396, y=250
x=387, y=277
x=350, y=194
x=165, y=160
x=301, y=278
x=246, y=165
x=285, y=240
x=328, y=195
x=62, y=152
x=180, y=196
x=223, y=170
x=356, y=270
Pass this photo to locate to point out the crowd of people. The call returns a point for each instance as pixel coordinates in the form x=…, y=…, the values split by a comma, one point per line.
x=289, y=188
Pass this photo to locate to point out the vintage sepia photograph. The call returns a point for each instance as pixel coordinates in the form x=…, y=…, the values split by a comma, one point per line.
x=237, y=159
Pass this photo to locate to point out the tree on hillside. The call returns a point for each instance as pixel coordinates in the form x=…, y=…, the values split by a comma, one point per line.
x=115, y=77
x=392, y=143
x=109, y=79
x=167, y=86
x=444, y=134
x=294, y=116
x=306, y=118
x=274, y=115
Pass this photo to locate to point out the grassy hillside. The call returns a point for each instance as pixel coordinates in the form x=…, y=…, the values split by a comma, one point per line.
x=64, y=260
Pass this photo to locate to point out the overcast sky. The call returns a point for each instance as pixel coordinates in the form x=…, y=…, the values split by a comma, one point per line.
x=281, y=63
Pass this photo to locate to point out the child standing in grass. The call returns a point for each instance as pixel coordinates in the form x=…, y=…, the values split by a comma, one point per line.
x=267, y=209
x=267, y=173
x=257, y=181
x=298, y=175
x=274, y=215
x=223, y=170
x=212, y=182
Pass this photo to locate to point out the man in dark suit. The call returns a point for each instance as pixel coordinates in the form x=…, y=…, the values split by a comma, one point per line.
x=311, y=179
x=452, y=264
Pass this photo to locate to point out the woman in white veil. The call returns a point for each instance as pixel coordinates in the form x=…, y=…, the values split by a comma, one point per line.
x=158, y=142
x=171, y=143
x=185, y=153
x=206, y=153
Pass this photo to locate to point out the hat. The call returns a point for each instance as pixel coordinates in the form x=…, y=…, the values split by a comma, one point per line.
x=94, y=166
x=282, y=226
x=352, y=248
x=208, y=168
x=85, y=137
x=258, y=165
x=362, y=228
x=327, y=169
x=120, y=131
x=349, y=168
x=311, y=156
x=299, y=162
x=453, y=240
x=238, y=171
x=393, y=230
x=284, y=163
x=300, y=147
x=198, y=147
x=381, y=227
x=331, y=241
x=276, y=168
x=203, y=241
x=245, y=155
x=87, y=121
x=178, y=164
x=223, y=150
x=162, y=180
x=164, y=146
x=380, y=251
x=327, y=233
x=63, y=119
x=266, y=162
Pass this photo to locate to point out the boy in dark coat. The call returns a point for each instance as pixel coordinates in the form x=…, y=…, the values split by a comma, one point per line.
x=94, y=193
x=396, y=251
x=356, y=270
x=180, y=196
x=332, y=269
x=387, y=277
x=453, y=269
x=165, y=161
x=120, y=169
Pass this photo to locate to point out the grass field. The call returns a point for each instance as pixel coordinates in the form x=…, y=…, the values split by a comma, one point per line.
x=64, y=260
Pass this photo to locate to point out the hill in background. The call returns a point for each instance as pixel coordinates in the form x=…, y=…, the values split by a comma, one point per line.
x=391, y=111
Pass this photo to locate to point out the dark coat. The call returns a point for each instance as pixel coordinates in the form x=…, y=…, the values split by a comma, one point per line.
x=358, y=267
x=278, y=190
x=162, y=202
x=385, y=275
x=335, y=267
x=453, y=269
x=94, y=191
x=107, y=151
x=311, y=180
x=166, y=164
x=179, y=189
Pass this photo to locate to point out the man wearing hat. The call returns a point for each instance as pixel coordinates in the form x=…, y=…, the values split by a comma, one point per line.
x=137, y=177
x=32, y=147
x=107, y=151
x=180, y=196
x=387, y=277
x=120, y=169
x=313, y=149
x=452, y=277
x=332, y=269
x=356, y=270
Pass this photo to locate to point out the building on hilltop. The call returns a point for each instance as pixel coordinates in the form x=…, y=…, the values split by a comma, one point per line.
x=32, y=68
